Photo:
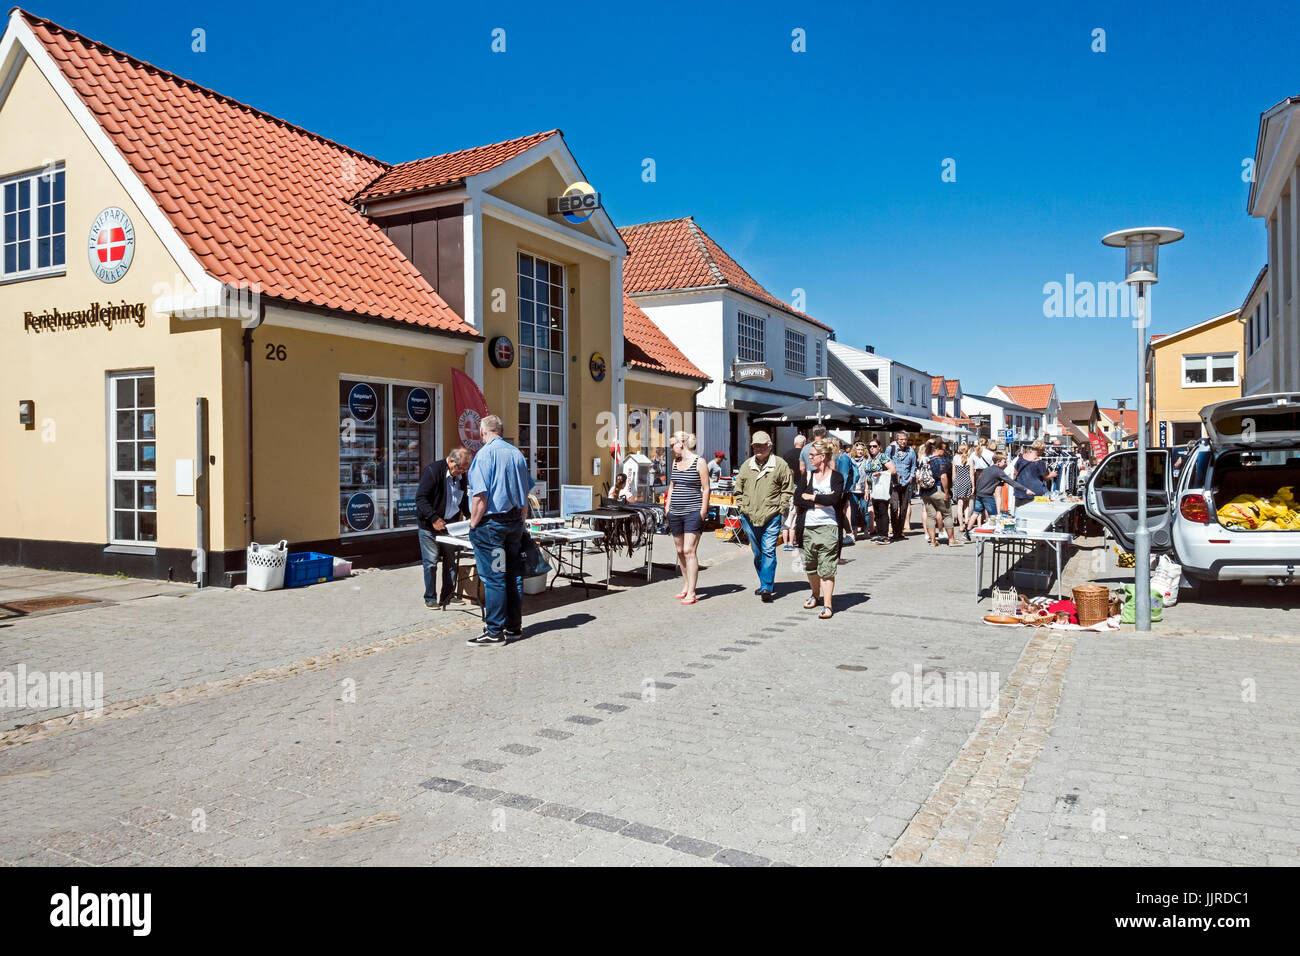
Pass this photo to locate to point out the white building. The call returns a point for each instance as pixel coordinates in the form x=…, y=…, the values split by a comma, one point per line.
x=1026, y=424
x=728, y=325
x=1040, y=400
x=1257, y=337
x=1273, y=364
x=905, y=390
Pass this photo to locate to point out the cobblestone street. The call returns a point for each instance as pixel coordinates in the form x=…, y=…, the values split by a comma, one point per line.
x=345, y=724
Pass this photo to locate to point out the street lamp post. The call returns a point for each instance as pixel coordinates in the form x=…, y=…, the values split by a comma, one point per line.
x=1141, y=252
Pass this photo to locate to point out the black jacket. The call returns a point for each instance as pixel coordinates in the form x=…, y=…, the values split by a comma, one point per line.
x=835, y=499
x=431, y=496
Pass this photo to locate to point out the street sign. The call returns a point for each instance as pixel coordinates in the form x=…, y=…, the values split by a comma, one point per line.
x=1008, y=434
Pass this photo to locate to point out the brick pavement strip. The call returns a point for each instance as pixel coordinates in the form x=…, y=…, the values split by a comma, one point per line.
x=963, y=819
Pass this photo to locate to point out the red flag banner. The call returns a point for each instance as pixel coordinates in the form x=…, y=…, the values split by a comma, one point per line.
x=1098, y=446
x=470, y=409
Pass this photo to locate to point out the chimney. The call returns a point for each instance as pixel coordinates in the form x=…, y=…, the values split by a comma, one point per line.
x=869, y=348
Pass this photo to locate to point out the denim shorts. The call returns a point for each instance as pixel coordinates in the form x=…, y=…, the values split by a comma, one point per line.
x=680, y=524
x=986, y=505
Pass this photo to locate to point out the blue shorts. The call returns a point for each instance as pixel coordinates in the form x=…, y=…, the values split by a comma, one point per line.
x=987, y=505
x=689, y=523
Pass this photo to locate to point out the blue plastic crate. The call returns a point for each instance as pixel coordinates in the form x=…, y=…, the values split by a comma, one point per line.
x=308, y=568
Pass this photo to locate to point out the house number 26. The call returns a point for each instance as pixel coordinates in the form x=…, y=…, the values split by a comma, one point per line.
x=275, y=353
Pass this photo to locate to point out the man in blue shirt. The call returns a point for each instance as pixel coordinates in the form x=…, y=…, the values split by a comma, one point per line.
x=498, y=504
x=900, y=494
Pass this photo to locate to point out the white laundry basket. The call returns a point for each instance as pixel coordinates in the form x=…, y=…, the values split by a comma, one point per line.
x=266, y=565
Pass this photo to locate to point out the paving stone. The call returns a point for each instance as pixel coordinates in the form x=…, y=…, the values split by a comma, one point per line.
x=693, y=846
x=521, y=750
x=442, y=784
x=486, y=766
x=552, y=734
x=639, y=831
x=518, y=801
x=582, y=719
x=740, y=858
x=559, y=811
x=601, y=821
x=611, y=708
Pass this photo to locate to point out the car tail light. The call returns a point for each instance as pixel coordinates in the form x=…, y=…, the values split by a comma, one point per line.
x=1194, y=508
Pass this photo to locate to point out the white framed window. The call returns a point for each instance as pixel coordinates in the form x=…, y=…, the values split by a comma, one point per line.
x=751, y=345
x=133, y=458
x=33, y=224
x=796, y=353
x=821, y=350
x=388, y=431
x=911, y=392
x=1210, y=370
x=543, y=326
x=900, y=389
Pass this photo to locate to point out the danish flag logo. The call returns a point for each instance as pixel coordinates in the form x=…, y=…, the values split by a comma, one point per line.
x=111, y=245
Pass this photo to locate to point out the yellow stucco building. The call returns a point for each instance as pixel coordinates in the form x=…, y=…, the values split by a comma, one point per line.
x=1187, y=370
x=219, y=327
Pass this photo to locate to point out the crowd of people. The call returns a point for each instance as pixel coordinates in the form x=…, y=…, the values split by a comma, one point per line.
x=817, y=496
x=814, y=499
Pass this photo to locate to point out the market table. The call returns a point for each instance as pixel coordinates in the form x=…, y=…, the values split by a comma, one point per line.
x=624, y=518
x=1038, y=517
x=567, y=548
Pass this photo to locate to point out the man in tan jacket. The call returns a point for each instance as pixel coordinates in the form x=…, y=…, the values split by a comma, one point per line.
x=764, y=487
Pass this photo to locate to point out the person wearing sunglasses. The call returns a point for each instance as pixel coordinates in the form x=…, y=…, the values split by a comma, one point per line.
x=819, y=497
x=879, y=473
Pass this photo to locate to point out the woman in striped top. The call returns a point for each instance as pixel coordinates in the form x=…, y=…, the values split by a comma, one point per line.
x=685, y=506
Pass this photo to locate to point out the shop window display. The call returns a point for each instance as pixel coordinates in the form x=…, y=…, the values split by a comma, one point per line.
x=386, y=436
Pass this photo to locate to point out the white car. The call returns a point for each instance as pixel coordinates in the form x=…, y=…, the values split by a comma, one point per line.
x=1253, y=448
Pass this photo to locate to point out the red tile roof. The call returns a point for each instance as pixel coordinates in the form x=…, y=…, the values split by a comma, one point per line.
x=646, y=346
x=1128, y=419
x=936, y=383
x=676, y=254
x=257, y=199
x=1029, y=396
x=449, y=168
x=951, y=384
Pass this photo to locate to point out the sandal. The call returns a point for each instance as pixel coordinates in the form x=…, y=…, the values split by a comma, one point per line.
x=690, y=600
x=809, y=604
x=825, y=613
x=680, y=595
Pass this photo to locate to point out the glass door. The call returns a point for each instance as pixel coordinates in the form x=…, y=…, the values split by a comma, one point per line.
x=540, y=440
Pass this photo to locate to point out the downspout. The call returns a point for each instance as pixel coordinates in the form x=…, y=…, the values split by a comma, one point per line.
x=248, y=422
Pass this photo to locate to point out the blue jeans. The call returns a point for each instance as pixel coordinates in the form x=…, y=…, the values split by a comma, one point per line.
x=431, y=552
x=762, y=541
x=499, y=555
x=862, y=509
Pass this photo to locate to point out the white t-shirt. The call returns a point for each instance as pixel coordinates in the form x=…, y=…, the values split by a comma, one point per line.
x=982, y=460
x=820, y=515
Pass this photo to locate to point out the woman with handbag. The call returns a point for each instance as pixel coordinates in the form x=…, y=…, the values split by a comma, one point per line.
x=819, y=498
x=879, y=473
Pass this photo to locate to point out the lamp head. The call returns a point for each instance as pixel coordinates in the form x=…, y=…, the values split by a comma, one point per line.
x=1142, y=250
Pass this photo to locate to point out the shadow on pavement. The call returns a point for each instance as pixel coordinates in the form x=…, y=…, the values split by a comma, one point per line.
x=555, y=624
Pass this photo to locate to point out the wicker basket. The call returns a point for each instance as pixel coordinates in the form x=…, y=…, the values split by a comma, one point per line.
x=1093, y=604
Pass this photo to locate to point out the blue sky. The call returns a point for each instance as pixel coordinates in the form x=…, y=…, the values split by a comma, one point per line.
x=821, y=170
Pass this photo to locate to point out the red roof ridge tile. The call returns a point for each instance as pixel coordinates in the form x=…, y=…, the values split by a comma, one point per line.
x=540, y=136
x=461, y=163
x=33, y=20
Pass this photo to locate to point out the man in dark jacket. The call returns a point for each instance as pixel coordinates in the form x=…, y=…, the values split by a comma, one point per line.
x=440, y=499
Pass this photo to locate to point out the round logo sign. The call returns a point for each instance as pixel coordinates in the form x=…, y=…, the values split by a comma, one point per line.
x=597, y=366
x=112, y=245
x=502, y=351
x=362, y=402
x=360, y=512
x=467, y=428
x=418, y=405
x=588, y=206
